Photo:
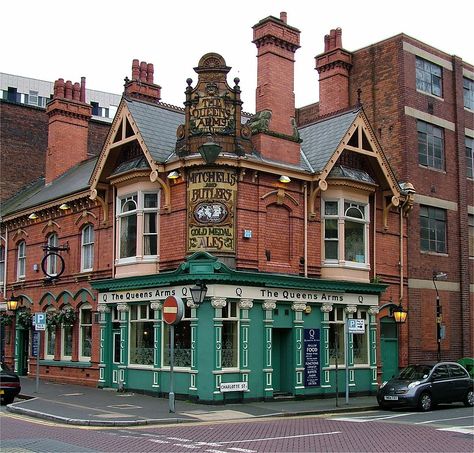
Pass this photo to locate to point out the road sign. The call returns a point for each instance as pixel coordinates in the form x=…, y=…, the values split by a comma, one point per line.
x=173, y=310
x=40, y=321
x=356, y=325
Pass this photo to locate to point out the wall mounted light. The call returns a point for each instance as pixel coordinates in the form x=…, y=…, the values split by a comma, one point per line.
x=33, y=216
x=64, y=207
x=13, y=302
x=198, y=292
x=285, y=179
x=173, y=174
x=210, y=151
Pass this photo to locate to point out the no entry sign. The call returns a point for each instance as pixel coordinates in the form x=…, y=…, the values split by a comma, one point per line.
x=173, y=310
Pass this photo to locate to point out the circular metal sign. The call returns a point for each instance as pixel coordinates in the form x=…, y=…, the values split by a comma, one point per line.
x=173, y=310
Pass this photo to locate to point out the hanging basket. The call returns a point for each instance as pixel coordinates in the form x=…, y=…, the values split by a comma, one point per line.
x=24, y=319
x=67, y=316
x=6, y=319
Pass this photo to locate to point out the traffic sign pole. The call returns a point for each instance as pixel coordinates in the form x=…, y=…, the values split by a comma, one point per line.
x=40, y=324
x=171, y=394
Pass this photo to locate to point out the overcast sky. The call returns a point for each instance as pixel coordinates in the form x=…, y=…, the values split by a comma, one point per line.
x=98, y=39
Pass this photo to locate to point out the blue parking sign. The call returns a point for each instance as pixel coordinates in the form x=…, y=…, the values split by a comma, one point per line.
x=40, y=321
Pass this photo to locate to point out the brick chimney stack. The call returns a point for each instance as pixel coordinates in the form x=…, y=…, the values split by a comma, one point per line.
x=68, y=128
x=141, y=86
x=333, y=67
x=277, y=43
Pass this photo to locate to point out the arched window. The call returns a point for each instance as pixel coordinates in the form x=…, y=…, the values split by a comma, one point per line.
x=66, y=337
x=87, y=248
x=128, y=226
x=21, y=261
x=50, y=336
x=52, y=260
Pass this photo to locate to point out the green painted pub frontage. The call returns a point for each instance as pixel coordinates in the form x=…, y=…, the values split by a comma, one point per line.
x=255, y=336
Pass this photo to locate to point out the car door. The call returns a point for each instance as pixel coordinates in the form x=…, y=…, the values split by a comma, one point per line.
x=441, y=384
x=460, y=382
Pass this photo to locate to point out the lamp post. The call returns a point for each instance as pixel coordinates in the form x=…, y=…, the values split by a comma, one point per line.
x=438, y=276
x=12, y=305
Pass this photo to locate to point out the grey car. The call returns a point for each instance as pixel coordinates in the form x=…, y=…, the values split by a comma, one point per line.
x=425, y=386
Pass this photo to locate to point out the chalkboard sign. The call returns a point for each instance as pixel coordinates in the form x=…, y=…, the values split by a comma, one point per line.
x=312, y=370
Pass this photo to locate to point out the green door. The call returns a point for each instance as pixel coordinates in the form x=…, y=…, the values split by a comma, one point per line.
x=389, y=348
x=281, y=360
x=23, y=349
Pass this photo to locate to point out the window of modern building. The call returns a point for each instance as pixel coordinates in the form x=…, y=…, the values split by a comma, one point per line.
x=138, y=238
x=470, y=221
x=336, y=336
x=469, y=158
x=429, y=77
x=142, y=335
x=348, y=220
x=50, y=336
x=468, y=93
x=182, y=341
x=360, y=341
x=2, y=264
x=430, y=145
x=85, y=332
x=21, y=261
x=52, y=260
x=87, y=248
x=432, y=229
x=97, y=110
x=66, y=338
x=230, y=335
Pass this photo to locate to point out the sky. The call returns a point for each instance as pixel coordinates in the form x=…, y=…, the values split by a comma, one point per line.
x=98, y=39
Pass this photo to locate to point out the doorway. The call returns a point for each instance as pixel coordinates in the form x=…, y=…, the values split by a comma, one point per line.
x=389, y=348
x=282, y=361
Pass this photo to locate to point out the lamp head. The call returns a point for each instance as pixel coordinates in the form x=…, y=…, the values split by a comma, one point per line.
x=198, y=292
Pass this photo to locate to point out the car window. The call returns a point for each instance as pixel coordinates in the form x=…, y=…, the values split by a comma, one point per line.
x=441, y=372
x=415, y=372
x=456, y=371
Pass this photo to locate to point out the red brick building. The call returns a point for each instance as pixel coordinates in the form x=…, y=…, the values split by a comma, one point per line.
x=291, y=192
x=421, y=103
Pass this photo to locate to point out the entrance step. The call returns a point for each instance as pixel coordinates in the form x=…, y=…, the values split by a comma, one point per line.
x=282, y=396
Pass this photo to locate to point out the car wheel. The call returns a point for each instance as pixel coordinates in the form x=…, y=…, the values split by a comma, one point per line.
x=425, y=403
x=469, y=399
x=384, y=406
x=8, y=400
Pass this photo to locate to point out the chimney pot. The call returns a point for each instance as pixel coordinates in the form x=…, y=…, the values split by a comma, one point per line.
x=149, y=73
x=143, y=71
x=68, y=90
x=76, y=91
x=283, y=16
x=83, y=89
x=135, y=69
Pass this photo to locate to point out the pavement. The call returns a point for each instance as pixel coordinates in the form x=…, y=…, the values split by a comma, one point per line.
x=90, y=406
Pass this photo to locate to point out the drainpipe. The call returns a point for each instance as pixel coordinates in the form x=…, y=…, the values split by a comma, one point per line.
x=305, y=252
x=5, y=266
x=374, y=241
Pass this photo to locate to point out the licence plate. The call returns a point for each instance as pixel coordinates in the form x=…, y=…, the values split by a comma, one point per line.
x=2, y=392
x=391, y=398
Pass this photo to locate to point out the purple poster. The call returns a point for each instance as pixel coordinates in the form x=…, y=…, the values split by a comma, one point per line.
x=311, y=358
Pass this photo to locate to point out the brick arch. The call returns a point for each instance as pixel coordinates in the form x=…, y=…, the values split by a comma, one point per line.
x=64, y=298
x=84, y=295
x=47, y=297
x=278, y=233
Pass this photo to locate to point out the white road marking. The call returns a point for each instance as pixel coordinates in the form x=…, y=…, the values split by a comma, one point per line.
x=245, y=450
x=180, y=439
x=370, y=419
x=442, y=420
x=464, y=430
x=208, y=444
x=159, y=441
x=238, y=441
x=217, y=451
x=185, y=446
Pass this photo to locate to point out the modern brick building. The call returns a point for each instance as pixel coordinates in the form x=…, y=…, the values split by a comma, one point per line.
x=296, y=221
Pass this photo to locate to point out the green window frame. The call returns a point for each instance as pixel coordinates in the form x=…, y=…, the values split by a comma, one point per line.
x=142, y=335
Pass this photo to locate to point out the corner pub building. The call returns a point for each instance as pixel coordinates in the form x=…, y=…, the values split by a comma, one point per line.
x=290, y=232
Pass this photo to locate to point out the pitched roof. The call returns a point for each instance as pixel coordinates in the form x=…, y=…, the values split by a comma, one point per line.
x=321, y=139
x=157, y=125
x=73, y=181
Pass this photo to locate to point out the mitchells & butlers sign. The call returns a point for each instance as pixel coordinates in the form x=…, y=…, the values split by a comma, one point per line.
x=212, y=194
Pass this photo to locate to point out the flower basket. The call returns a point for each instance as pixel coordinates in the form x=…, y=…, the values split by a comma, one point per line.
x=6, y=319
x=67, y=316
x=24, y=319
x=53, y=319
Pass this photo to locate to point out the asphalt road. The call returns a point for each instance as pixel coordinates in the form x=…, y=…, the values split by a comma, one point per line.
x=376, y=431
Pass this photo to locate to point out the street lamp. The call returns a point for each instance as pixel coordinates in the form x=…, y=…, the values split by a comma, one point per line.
x=13, y=302
x=438, y=276
x=198, y=292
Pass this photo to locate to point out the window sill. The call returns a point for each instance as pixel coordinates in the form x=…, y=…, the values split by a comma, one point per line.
x=439, y=98
x=428, y=252
x=438, y=170
x=64, y=363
